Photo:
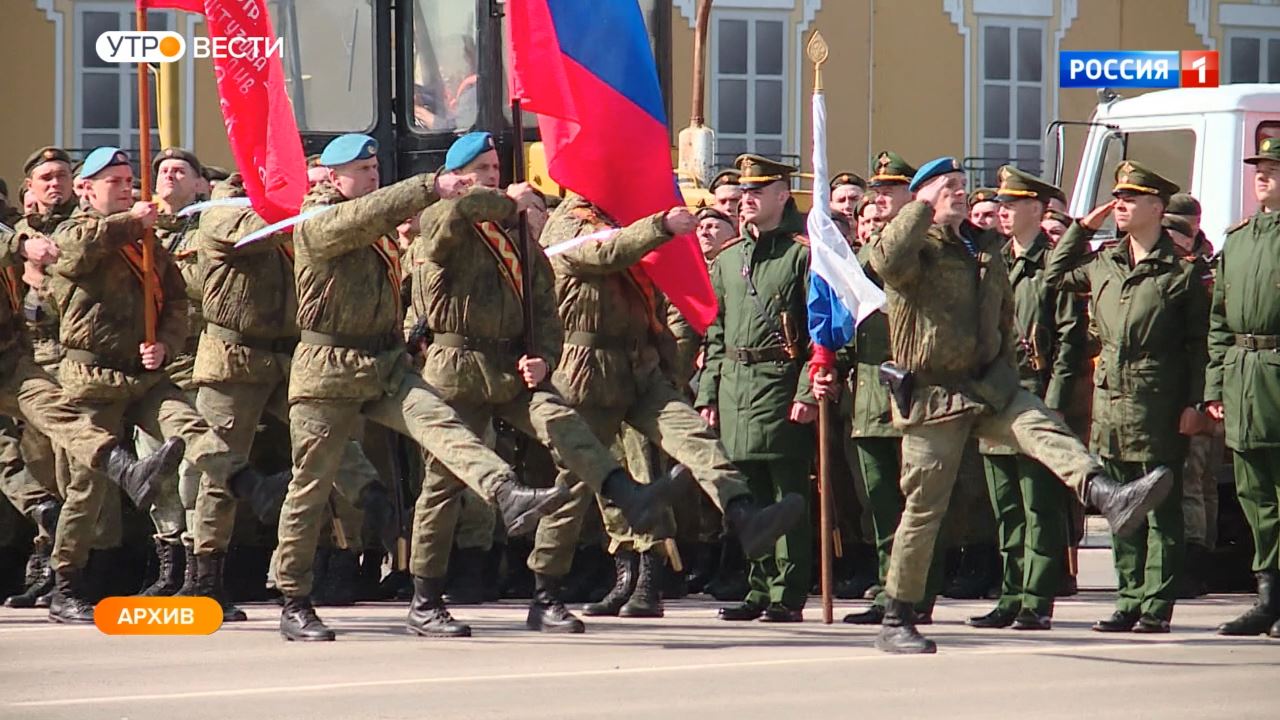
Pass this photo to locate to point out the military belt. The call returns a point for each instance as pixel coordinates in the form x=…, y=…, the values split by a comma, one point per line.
x=235, y=337
x=84, y=357
x=477, y=344
x=601, y=342
x=363, y=343
x=1257, y=342
x=751, y=356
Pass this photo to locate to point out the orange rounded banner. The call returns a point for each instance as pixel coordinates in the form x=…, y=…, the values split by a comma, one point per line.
x=158, y=615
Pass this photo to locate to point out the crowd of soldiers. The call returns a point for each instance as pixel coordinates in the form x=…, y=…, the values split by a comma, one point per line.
x=406, y=339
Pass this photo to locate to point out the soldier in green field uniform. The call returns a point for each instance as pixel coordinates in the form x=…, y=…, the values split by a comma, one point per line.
x=1150, y=311
x=1029, y=503
x=1242, y=386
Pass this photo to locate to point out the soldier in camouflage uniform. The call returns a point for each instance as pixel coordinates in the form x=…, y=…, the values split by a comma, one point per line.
x=351, y=363
x=955, y=375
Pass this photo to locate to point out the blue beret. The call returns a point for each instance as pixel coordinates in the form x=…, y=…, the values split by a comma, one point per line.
x=466, y=149
x=348, y=148
x=933, y=169
x=101, y=159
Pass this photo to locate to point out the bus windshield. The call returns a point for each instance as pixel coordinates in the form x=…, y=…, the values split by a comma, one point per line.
x=445, y=65
x=328, y=62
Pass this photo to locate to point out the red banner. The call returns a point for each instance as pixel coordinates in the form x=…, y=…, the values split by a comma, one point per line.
x=195, y=6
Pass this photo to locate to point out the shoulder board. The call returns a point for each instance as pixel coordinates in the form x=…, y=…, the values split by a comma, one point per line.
x=730, y=244
x=800, y=239
x=1239, y=225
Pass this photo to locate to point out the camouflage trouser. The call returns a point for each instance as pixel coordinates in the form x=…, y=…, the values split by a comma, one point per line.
x=320, y=430
x=931, y=457
x=155, y=405
x=662, y=415
x=173, y=510
x=541, y=415
x=1200, y=487
x=22, y=487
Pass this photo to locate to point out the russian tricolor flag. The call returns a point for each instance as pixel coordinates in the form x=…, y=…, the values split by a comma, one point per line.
x=587, y=69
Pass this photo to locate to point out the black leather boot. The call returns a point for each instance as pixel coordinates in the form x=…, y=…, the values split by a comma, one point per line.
x=522, y=506
x=646, y=599
x=209, y=571
x=38, y=581
x=744, y=612
x=169, y=578
x=467, y=585
x=547, y=613
x=624, y=563
x=758, y=529
x=1000, y=617
x=337, y=587
x=642, y=505
x=46, y=513
x=428, y=615
x=873, y=615
x=188, y=571
x=140, y=478
x=70, y=603
x=298, y=621
x=1119, y=621
x=1126, y=506
x=263, y=493
x=898, y=632
x=866, y=568
x=1258, y=619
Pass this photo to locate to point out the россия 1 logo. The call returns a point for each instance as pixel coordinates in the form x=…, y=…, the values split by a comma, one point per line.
x=161, y=46
x=1137, y=68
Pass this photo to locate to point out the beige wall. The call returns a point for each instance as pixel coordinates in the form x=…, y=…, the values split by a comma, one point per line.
x=26, y=56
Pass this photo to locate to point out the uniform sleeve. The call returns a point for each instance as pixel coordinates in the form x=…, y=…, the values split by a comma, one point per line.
x=222, y=228
x=709, y=380
x=1197, y=334
x=448, y=222
x=617, y=252
x=688, y=343
x=1068, y=266
x=1070, y=329
x=84, y=244
x=895, y=252
x=10, y=247
x=360, y=222
x=549, y=330
x=1219, y=338
x=804, y=385
x=171, y=326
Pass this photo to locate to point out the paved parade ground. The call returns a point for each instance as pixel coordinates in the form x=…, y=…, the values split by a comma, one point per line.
x=687, y=665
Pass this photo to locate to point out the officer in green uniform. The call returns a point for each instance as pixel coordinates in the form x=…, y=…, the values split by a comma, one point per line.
x=1030, y=505
x=1150, y=312
x=983, y=208
x=1242, y=388
x=755, y=385
x=955, y=375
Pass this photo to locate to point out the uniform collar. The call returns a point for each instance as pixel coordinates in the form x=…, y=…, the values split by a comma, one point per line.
x=1034, y=254
x=1164, y=252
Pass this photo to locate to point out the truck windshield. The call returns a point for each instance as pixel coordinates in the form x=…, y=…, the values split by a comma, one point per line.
x=328, y=62
x=445, y=65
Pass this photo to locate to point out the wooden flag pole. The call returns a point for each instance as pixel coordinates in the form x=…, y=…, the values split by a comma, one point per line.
x=144, y=165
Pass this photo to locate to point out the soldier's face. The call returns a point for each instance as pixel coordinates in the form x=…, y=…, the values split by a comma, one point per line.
x=484, y=171
x=763, y=206
x=355, y=179
x=867, y=222
x=890, y=199
x=1019, y=217
x=728, y=200
x=953, y=201
x=1054, y=229
x=29, y=203
x=1137, y=213
x=844, y=200
x=1266, y=184
x=51, y=183
x=316, y=175
x=176, y=183
x=1184, y=242
x=984, y=215
x=712, y=235
x=111, y=191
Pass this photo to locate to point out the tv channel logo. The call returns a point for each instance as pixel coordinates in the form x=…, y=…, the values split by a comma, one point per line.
x=160, y=46
x=1137, y=69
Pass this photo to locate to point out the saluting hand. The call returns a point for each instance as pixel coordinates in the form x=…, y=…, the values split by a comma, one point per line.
x=1097, y=216
x=533, y=370
x=152, y=355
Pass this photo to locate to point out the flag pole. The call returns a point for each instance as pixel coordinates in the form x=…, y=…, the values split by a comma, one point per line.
x=144, y=166
x=818, y=52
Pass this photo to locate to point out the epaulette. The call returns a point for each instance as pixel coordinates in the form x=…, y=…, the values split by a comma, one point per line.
x=800, y=239
x=1239, y=225
x=731, y=243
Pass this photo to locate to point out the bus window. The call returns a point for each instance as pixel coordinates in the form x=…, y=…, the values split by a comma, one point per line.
x=445, y=65
x=328, y=62
x=1266, y=129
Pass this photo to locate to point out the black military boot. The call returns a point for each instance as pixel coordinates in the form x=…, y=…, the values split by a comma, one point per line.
x=1120, y=621
x=624, y=562
x=646, y=599
x=898, y=632
x=1000, y=617
x=188, y=571
x=865, y=575
x=263, y=493
x=758, y=529
x=46, y=513
x=169, y=579
x=547, y=613
x=70, y=603
x=1258, y=619
x=428, y=615
x=38, y=581
x=209, y=572
x=743, y=612
x=1126, y=505
x=337, y=588
x=643, y=505
x=298, y=621
x=873, y=615
x=522, y=506
x=140, y=478
x=466, y=587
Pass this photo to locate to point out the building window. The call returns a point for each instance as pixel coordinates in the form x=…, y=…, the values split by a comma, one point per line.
x=1012, y=96
x=1253, y=57
x=748, y=80
x=107, y=93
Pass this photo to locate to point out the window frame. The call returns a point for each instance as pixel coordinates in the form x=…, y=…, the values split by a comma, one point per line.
x=714, y=76
x=1014, y=83
x=1230, y=35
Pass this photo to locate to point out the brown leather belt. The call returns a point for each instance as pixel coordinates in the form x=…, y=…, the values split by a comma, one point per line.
x=1257, y=342
x=363, y=343
x=235, y=337
x=597, y=341
x=84, y=357
x=751, y=356
x=477, y=344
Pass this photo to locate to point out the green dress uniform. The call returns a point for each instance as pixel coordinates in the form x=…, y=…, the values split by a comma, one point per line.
x=1151, y=318
x=755, y=368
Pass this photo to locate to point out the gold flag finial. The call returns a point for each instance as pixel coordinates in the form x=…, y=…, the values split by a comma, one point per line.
x=818, y=52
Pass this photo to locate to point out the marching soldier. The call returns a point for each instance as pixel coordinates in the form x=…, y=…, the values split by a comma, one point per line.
x=1030, y=505
x=954, y=375
x=1242, y=388
x=351, y=363
x=754, y=387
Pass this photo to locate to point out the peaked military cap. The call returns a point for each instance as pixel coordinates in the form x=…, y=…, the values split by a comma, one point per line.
x=932, y=169
x=466, y=149
x=1057, y=216
x=1179, y=223
x=44, y=155
x=757, y=172
x=1183, y=204
x=1133, y=177
x=848, y=178
x=348, y=148
x=725, y=177
x=177, y=153
x=214, y=173
x=890, y=169
x=713, y=213
x=101, y=159
x=1268, y=149
x=1018, y=185
x=982, y=195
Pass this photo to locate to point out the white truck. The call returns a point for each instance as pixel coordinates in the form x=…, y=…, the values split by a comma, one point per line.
x=1196, y=137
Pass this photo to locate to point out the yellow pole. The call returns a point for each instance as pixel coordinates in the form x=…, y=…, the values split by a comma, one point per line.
x=168, y=105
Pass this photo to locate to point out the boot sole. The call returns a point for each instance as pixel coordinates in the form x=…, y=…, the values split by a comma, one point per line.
x=558, y=630
x=303, y=638
x=770, y=524
x=435, y=634
x=601, y=613
x=929, y=648
x=640, y=613
x=1157, y=491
